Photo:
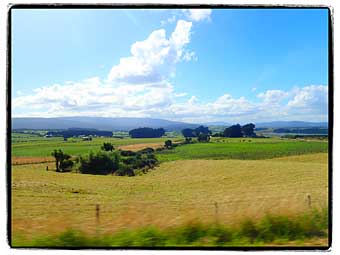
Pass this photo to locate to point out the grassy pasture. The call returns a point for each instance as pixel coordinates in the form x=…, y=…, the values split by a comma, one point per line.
x=236, y=148
x=176, y=192
x=75, y=146
x=218, y=148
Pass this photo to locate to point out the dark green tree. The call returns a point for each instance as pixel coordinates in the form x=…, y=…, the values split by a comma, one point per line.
x=107, y=147
x=62, y=160
x=188, y=132
x=201, y=130
x=168, y=144
x=248, y=129
x=233, y=131
x=203, y=137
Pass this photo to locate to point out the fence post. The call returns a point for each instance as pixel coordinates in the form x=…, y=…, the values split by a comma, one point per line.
x=97, y=214
x=216, y=212
x=309, y=201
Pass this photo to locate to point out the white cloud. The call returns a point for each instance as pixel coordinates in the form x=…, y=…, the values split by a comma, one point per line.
x=312, y=98
x=198, y=14
x=272, y=96
x=93, y=97
x=154, y=59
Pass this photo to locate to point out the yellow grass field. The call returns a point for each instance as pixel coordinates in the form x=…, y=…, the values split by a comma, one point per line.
x=172, y=194
x=140, y=146
x=31, y=160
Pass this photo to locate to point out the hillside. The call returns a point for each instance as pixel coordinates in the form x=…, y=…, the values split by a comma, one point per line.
x=100, y=123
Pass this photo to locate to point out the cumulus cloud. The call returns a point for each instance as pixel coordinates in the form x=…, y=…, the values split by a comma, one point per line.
x=198, y=14
x=154, y=59
x=312, y=98
x=272, y=96
x=93, y=97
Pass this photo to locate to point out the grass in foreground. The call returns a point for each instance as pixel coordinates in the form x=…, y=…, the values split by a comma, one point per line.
x=172, y=194
x=307, y=229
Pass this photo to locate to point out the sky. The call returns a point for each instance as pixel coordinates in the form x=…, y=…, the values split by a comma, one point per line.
x=192, y=65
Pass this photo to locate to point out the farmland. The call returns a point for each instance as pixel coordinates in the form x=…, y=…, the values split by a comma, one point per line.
x=75, y=146
x=190, y=184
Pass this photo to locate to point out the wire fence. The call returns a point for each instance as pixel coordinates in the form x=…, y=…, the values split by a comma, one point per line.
x=214, y=210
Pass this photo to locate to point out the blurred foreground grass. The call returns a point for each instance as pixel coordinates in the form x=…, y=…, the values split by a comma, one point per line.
x=308, y=229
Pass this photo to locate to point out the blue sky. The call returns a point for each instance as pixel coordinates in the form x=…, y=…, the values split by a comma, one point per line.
x=232, y=65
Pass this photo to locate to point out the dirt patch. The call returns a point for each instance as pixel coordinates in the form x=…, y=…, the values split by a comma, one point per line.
x=140, y=146
x=31, y=160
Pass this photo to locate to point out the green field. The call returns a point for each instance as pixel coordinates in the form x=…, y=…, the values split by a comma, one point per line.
x=243, y=149
x=210, y=182
x=226, y=148
x=74, y=146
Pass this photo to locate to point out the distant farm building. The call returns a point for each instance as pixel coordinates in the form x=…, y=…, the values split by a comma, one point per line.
x=87, y=138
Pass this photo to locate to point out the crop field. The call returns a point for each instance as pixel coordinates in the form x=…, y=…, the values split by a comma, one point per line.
x=223, y=181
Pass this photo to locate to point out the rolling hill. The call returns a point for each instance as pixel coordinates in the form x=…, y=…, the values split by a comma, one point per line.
x=100, y=123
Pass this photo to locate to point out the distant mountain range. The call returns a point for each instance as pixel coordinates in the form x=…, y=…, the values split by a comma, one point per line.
x=291, y=124
x=125, y=124
x=100, y=123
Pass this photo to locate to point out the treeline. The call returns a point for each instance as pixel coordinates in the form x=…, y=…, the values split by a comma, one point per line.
x=232, y=131
x=146, y=132
x=74, y=132
x=239, y=131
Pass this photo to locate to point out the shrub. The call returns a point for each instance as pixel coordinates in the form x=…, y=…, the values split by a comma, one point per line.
x=249, y=230
x=146, y=150
x=66, y=165
x=128, y=153
x=168, y=144
x=124, y=170
x=99, y=163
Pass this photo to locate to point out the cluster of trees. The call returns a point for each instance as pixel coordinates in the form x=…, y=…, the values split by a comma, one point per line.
x=107, y=161
x=62, y=160
x=238, y=131
x=101, y=162
x=188, y=132
x=202, y=133
x=74, y=132
x=147, y=132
